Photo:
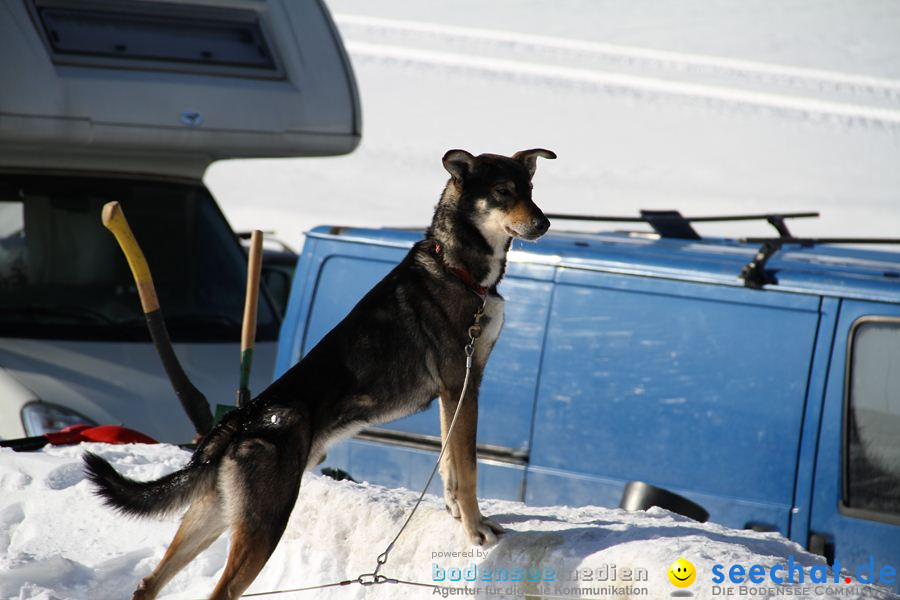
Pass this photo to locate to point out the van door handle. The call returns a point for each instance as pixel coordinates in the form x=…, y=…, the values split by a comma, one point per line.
x=823, y=545
x=757, y=526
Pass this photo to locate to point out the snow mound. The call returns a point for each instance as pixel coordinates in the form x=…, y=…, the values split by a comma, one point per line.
x=58, y=542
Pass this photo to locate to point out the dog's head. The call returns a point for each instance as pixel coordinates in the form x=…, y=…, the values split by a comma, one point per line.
x=496, y=191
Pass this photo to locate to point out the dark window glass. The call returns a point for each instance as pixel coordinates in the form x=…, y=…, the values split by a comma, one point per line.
x=873, y=435
x=156, y=38
x=163, y=37
x=63, y=276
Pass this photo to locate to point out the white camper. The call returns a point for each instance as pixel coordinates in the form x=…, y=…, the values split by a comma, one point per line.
x=131, y=100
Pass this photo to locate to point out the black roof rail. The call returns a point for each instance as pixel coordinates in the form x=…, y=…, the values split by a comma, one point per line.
x=816, y=241
x=672, y=224
x=754, y=273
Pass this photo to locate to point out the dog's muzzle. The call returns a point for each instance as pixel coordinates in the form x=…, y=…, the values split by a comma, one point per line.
x=538, y=227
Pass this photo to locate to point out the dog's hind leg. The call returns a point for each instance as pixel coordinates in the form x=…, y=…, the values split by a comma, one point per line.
x=259, y=482
x=459, y=467
x=201, y=525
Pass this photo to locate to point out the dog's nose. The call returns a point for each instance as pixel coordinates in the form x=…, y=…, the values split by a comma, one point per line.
x=540, y=224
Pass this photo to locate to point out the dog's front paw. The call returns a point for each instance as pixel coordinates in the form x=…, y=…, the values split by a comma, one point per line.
x=484, y=532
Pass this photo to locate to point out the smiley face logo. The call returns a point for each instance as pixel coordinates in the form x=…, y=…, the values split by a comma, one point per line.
x=682, y=573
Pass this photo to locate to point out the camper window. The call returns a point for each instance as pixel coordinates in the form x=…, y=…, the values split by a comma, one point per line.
x=140, y=36
x=62, y=275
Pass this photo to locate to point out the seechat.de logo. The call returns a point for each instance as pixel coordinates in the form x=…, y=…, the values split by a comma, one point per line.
x=793, y=573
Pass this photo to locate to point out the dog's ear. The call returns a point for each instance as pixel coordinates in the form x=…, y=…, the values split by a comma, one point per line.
x=529, y=158
x=459, y=163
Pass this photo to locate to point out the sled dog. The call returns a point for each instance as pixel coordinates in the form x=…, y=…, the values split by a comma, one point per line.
x=399, y=348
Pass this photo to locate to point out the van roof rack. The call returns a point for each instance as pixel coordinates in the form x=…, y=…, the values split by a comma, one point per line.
x=754, y=273
x=672, y=224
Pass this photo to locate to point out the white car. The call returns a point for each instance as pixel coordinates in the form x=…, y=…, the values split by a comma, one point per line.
x=131, y=101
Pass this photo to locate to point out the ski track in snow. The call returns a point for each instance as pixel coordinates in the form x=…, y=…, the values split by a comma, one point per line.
x=478, y=41
x=60, y=543
x=803, y=108
x=634, y=128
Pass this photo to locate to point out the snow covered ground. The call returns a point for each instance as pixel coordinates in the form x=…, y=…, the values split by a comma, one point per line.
x=57, y=542
x=707, y=106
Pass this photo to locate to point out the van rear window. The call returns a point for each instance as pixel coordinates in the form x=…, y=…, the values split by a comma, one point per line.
x=63, y=276
x=873, y=418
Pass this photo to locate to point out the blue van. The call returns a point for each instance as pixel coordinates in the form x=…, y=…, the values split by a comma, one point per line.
x=759, y=379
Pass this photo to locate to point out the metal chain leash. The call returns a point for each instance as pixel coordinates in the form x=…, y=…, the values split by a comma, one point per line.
x=379, y=579
x=474, y=332
x=375, y=578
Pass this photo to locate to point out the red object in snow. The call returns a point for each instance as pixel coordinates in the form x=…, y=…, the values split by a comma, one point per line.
x=75, y=434
x=110, y=434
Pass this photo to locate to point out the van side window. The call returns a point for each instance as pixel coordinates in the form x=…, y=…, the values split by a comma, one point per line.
x=873, y=418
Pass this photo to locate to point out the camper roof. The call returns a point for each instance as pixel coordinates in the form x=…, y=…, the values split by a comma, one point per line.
x=168, y=87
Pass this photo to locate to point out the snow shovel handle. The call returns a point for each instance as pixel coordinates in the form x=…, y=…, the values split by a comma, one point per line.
x=114, y=219
x=251, y=303
x=193, y=401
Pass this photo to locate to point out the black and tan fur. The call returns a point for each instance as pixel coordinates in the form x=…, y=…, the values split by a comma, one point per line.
x=398, y=349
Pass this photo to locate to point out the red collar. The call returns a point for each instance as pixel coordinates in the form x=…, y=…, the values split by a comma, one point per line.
x=464, y=275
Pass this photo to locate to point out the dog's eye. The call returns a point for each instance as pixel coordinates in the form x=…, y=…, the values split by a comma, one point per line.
x=502, y=191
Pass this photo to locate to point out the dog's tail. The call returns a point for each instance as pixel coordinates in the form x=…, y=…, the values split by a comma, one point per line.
x=144, y=498
x=163, y=495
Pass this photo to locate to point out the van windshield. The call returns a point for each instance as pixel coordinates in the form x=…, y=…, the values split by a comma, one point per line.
x=63, y=276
